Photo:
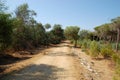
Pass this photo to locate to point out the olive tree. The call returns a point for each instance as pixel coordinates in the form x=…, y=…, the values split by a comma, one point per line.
x=84, y=34
x=71, y=33
x=57, y=34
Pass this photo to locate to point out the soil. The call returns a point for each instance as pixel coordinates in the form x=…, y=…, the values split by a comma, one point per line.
x=61, y=62
x=96, y=69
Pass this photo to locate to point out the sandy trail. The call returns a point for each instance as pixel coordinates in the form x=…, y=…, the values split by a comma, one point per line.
x=57, y=64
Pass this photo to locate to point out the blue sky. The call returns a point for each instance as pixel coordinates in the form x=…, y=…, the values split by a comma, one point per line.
x=83, y=13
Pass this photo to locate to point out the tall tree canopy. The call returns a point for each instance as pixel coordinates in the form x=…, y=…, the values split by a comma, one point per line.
x=116, y=25
x=24, y=25
x=23, y=13
x=5, y=31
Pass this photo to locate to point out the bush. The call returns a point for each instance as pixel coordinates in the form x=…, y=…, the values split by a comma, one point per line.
x=118, y=72
x=114, y=46
x=84, y=44
x=94, y=49
x=80, y=43
x=106, y=51
x=72, y=41
x=116, y=59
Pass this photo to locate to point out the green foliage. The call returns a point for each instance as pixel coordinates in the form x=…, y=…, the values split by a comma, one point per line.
x=94, y=49
x=71, y=33
x=56, y=34
x=84, y=34
x=27, y=33
x=116, y=22
x=118, y=69
x=47, y=26
x=109, y=31
x=116, y=58
x=80, y=43
x=5, y=31
x=106, y=50
x=114, y=46
x=102, y=31
x=24, y=33
x=84, y=44
x=23, y=13
x=39, y=35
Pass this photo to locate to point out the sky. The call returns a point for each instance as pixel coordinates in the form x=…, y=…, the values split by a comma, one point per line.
x=86, y=14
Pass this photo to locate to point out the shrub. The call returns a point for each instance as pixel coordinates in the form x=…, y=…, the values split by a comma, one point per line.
x=71, y=41
x=94, y=49
x=114, y=46
x=84, y=44
x=88, y=43
x=80, y=43
x=116, y=59
x=106, y=51
x=118, y=68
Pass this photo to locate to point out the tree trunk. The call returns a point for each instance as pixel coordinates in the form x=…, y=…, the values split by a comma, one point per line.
x=118, y=37
x=100, y=38
x=75, y=43
x=110, y=39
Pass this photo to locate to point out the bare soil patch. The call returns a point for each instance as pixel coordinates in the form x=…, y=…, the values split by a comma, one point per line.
x=100, y=69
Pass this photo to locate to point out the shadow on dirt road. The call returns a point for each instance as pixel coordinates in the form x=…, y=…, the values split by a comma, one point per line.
x=36, y=72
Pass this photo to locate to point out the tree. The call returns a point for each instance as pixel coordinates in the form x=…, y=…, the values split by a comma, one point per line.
x=57, y=34
x=40, y=35
x=71, y=32
x=116, y=25
x=5, y=31
x=104, y=32
x=24, y=27
x=23, y=13
x=99, y=31
x=84, y=34
x=47, y=26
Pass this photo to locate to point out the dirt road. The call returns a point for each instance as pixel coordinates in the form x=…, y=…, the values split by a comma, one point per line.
x=61, y=62
x=56, y=64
